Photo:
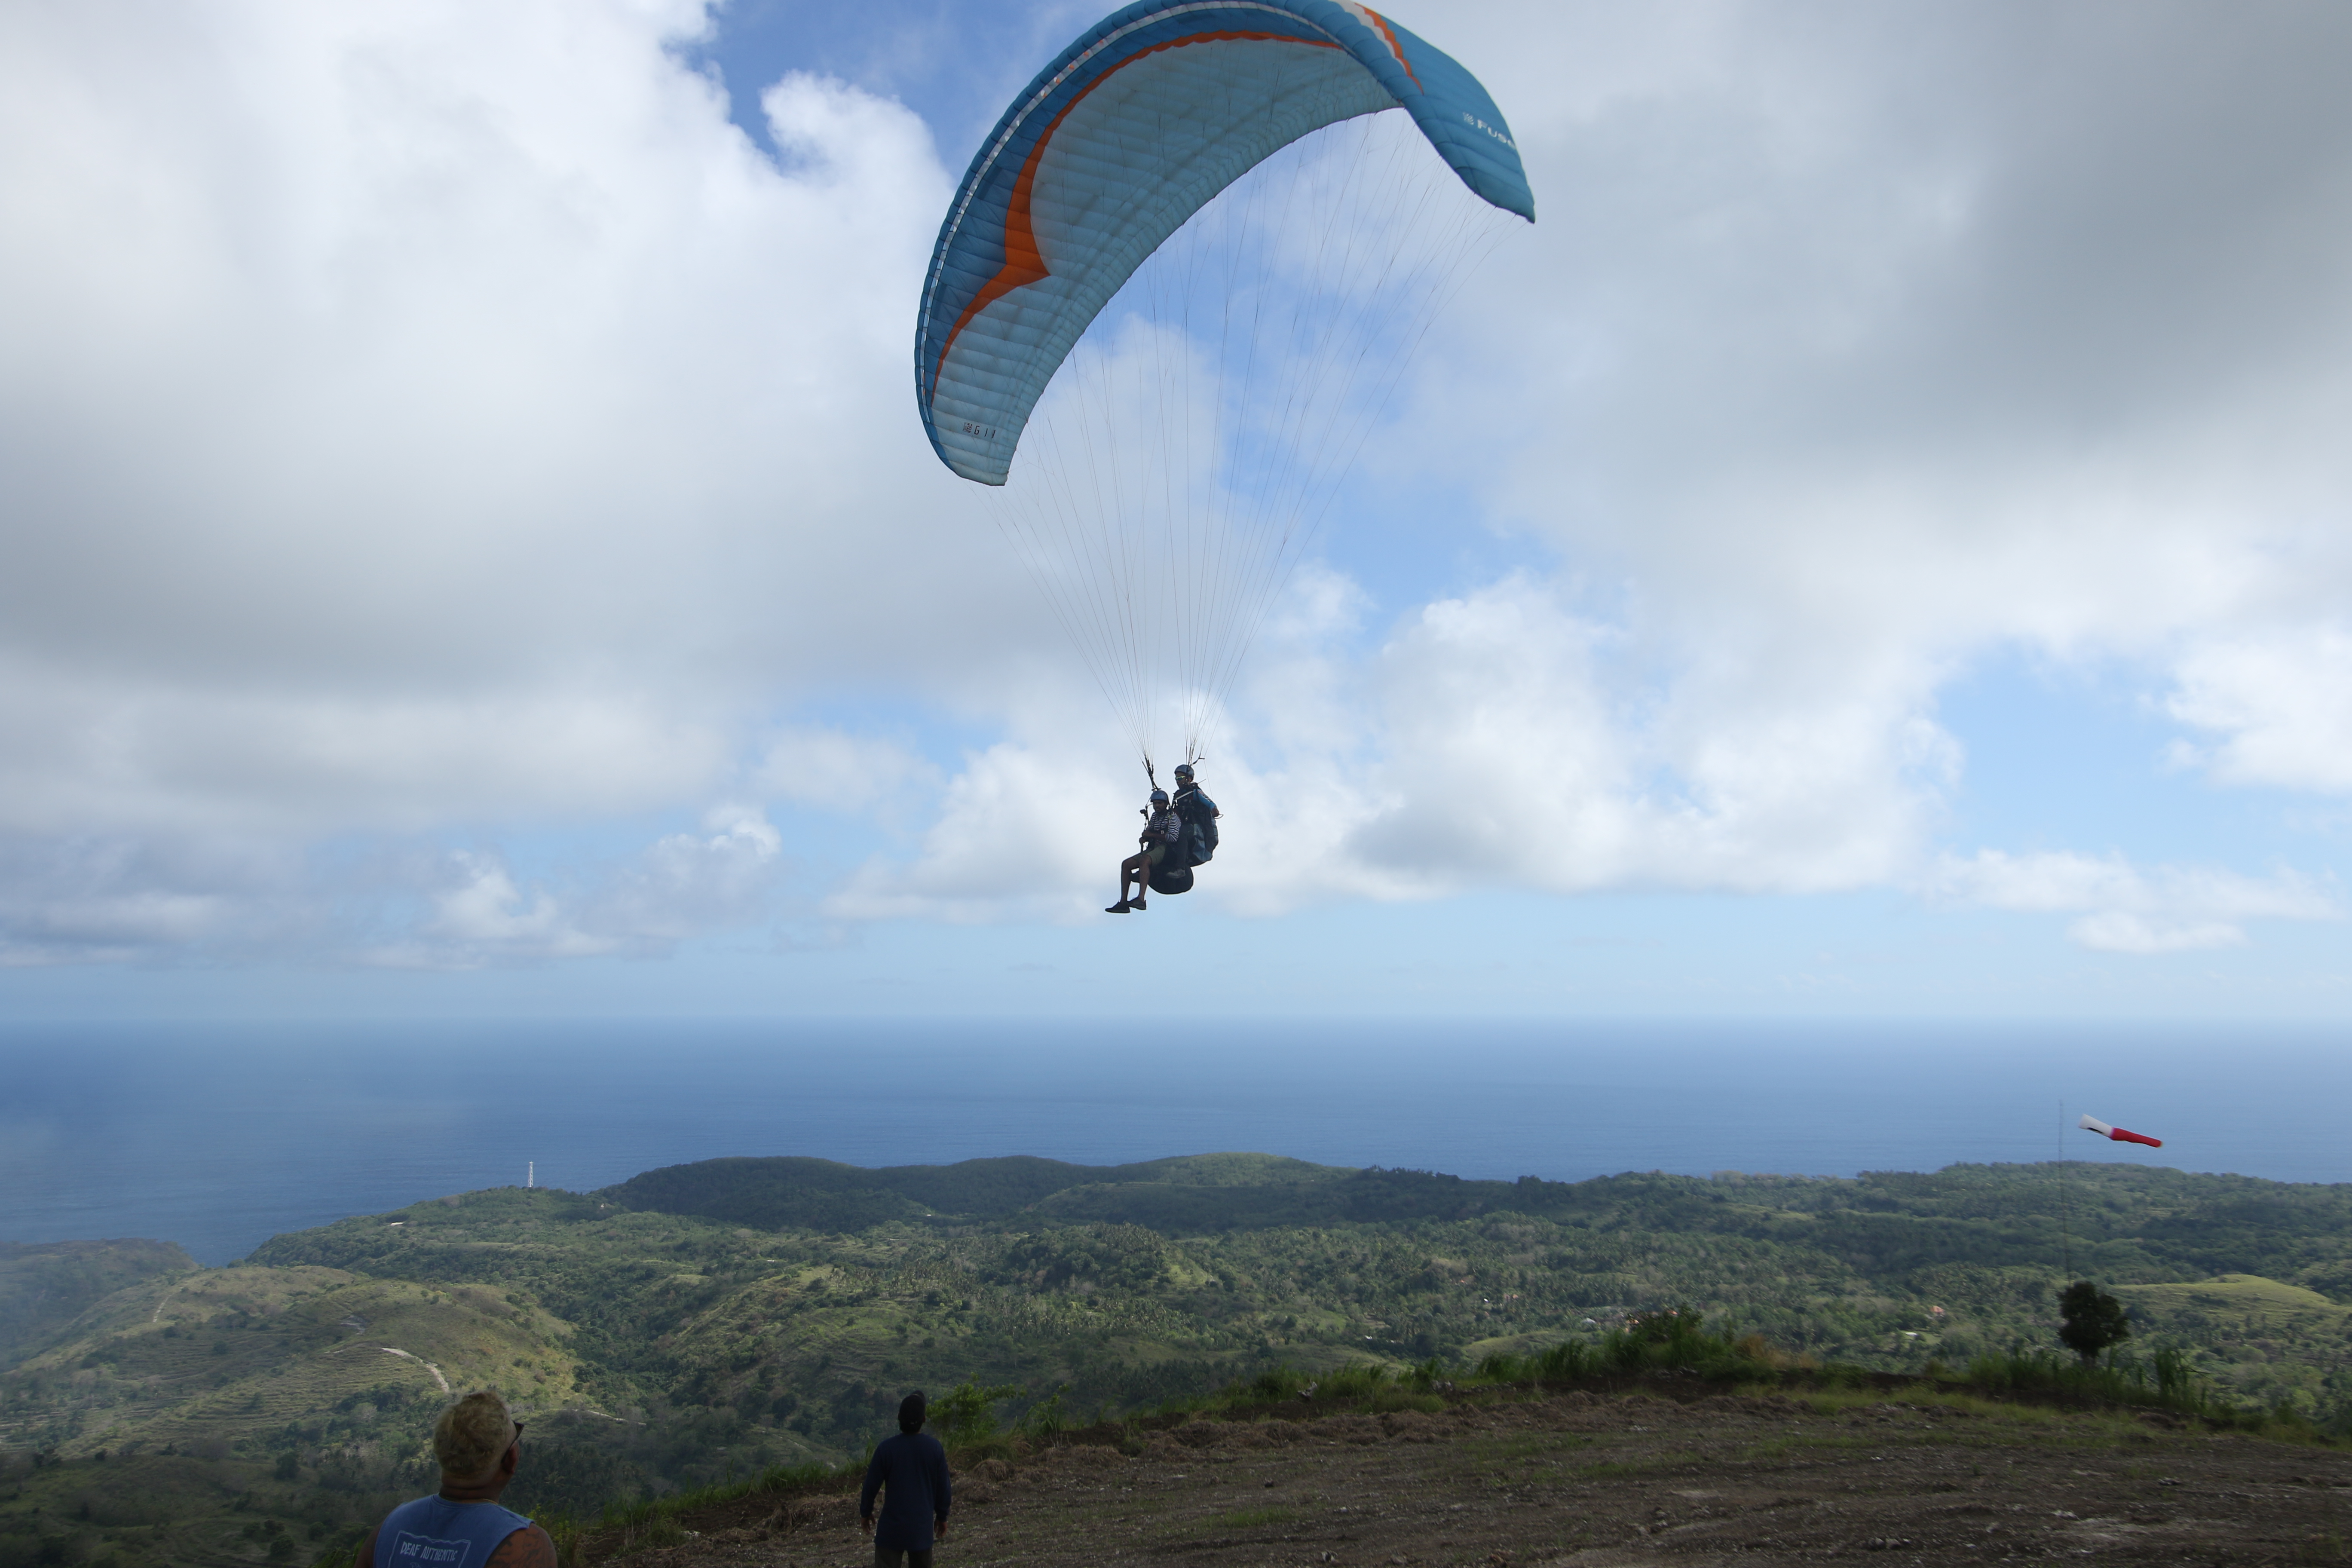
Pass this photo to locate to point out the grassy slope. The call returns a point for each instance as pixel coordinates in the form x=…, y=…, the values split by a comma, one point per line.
x=171, y=1402
x=45, y=1286
x=2283, y=1343
x=217, y=1353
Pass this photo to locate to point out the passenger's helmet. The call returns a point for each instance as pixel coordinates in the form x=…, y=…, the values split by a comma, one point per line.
x=1159, y=797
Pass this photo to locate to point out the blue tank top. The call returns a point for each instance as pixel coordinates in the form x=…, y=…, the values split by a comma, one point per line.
x=434, y=1532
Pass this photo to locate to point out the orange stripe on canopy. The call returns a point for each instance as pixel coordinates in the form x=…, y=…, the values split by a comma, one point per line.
x=1023, y=262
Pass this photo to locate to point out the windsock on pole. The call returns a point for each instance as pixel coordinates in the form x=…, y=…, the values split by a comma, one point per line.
x=2120, y=1135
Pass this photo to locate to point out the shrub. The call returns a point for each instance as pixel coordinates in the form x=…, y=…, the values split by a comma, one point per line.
x=1045, y=1418
x=2121, y=1380
x=966, y=1414
x=566, y=1533
x=1357, y=1381
x=2090, y=1321
x=1568, y=1361
x=1282, y=1382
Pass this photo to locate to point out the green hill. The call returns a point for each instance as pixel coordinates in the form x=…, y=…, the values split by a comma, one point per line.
x=819, y=1195
x=45, y=1286
x=719, y=1317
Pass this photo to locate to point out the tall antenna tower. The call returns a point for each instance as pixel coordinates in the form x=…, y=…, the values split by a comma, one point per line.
x=2066, y=1199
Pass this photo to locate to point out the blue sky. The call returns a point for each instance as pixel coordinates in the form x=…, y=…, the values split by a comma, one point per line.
x=1878, y=546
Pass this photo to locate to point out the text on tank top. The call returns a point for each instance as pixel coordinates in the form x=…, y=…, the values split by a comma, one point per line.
x=434, y=1532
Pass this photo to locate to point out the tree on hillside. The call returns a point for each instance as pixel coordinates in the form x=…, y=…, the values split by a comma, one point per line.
x=2090, y=1321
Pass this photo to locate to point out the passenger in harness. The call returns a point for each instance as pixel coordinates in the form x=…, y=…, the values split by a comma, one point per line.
x=1159, y=838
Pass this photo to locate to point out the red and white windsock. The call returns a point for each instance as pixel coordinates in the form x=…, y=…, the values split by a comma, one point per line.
x=2121, y=1135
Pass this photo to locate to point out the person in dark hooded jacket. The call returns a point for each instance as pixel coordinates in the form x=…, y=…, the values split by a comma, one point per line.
x=911, y=1472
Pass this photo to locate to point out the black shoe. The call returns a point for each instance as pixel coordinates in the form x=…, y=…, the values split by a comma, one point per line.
x=1138, y=903
x=1120, y=908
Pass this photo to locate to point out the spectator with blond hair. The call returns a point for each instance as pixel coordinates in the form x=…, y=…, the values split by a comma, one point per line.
x=478, y=1444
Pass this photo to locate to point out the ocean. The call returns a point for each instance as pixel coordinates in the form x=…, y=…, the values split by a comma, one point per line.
x=218, y=1137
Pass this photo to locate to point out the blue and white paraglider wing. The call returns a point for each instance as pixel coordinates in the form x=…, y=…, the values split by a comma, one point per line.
x=1123, y=137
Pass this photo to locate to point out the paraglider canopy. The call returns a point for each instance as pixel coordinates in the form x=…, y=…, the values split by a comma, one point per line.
x=1131, y=129
x=1275, y=244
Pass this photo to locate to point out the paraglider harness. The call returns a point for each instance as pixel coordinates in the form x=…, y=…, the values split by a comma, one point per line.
x=1196, y=837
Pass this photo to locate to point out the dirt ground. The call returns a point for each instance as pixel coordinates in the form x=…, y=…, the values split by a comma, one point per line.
x=1572, y=1478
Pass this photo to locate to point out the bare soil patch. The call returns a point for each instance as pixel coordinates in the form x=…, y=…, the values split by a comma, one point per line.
x=1511, y=1481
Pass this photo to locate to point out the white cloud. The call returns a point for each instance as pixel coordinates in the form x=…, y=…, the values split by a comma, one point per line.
x=426, y=422
x=1016, y=833
x=1868, y=350
x=839, y=772
x=1489, y=742
x=439, y=414
x=486, y=913
x=2168, y=909
x=123, y=753
x=686, y=884
x=679, y=887
x=2112, y=931
x=1522, y=752
x=110, y=898
x=430, y=422
x=2279, y=704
